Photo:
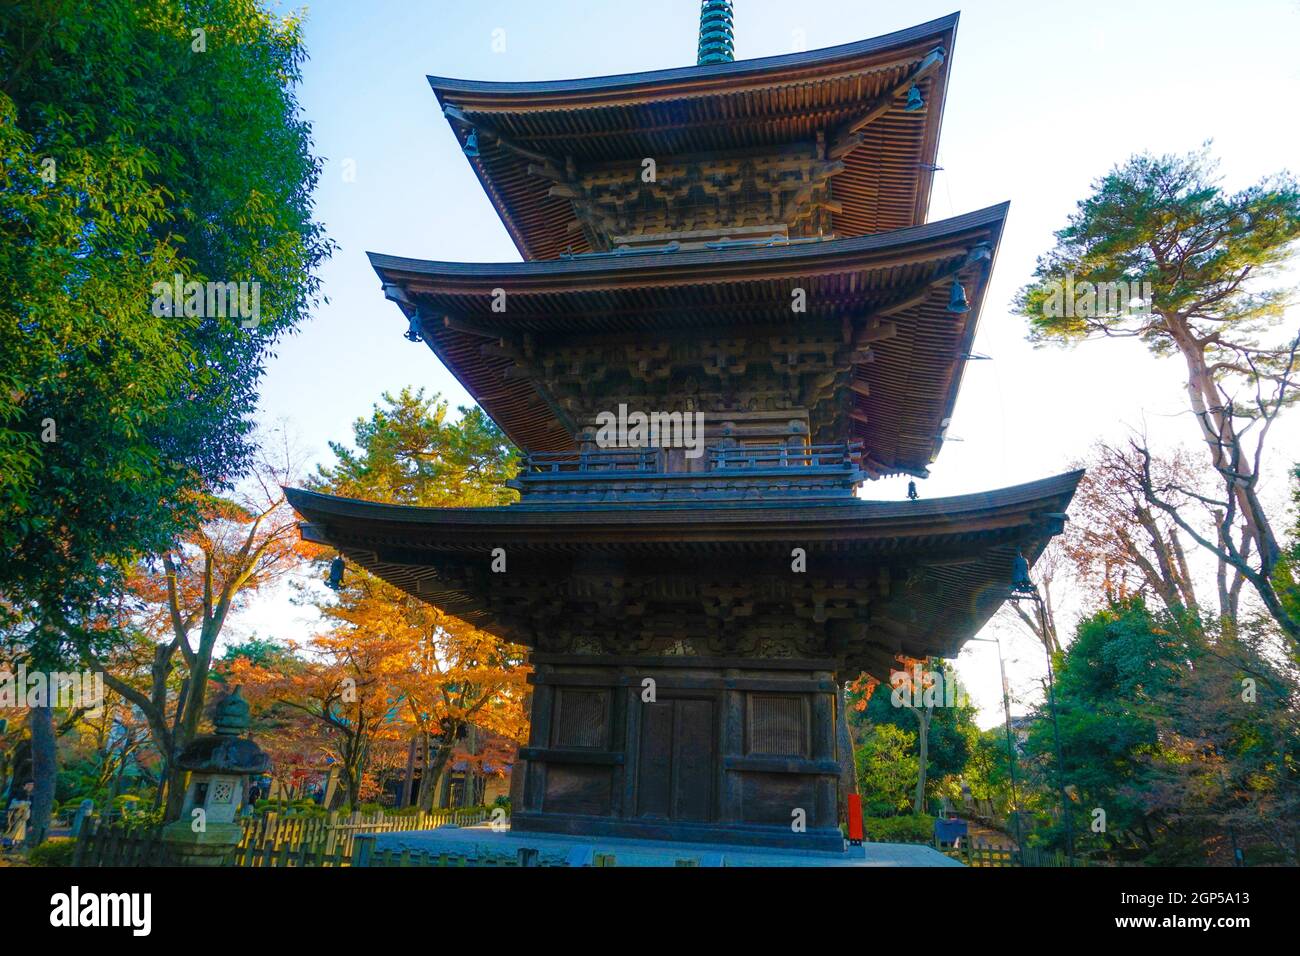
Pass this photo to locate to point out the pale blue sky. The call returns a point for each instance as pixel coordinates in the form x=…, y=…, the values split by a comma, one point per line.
x=1043, y=98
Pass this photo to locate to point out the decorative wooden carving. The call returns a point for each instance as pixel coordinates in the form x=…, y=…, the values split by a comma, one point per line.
x=696, y=199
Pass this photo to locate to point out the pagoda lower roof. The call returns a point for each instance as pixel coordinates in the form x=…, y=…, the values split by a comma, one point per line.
x=955, y=554
x=889, y=292
x=853, y=95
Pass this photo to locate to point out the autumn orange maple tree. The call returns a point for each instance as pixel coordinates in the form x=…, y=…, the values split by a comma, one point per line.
x=177, y=605
x=389, y=665
x=455, y=676
x=345, y=684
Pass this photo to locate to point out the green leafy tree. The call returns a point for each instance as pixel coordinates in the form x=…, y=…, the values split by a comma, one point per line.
x=1111, y=685
x=260, y=652
x=988, y=771
x=1162, y=253
x=407, y=452
x=118, y=126
x=1231, y=780
x=1183, y=735
x=948, y=726
x=887, y=770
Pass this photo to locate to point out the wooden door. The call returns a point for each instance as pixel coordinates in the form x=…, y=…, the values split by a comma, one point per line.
x=677, y=763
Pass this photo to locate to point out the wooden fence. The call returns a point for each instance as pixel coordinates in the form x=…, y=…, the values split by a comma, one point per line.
x=337, y=831
x=267, y=840
x=972, y=853
x=104, y=845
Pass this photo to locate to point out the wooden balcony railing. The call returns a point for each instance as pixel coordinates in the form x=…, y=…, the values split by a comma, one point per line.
x=639, y=474
x=784, y=456
x=624, y=461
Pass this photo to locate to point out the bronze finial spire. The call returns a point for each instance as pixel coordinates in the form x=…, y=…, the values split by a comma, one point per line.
x=716, y=39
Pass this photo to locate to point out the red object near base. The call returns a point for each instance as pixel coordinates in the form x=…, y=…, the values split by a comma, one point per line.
x=855, y=819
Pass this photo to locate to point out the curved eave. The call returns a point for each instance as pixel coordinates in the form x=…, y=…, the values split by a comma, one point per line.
x=564, y=273
x=337, y=520
x=709, y=109
x=913, y=378
x=952, y=556
x=592, y=90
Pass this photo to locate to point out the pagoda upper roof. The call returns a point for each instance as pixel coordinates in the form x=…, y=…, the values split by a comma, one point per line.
x=889, y=292
x=532, y=135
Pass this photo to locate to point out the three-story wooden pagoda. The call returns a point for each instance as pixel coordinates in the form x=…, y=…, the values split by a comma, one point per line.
x=746, y=241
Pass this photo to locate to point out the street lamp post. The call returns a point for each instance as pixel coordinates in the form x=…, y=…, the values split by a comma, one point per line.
x=1023, y=589
x=1011, y=749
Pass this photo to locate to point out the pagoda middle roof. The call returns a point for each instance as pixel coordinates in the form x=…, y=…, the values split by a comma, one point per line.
x=852, y=95
x=890, y=290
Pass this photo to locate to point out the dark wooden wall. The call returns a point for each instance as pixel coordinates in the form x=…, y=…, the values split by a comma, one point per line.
x=727, y=751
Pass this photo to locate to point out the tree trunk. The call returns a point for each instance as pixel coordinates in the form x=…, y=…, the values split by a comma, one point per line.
x=435, y=770
x=354, y=767
x=331, y=788
x=408, y=781
x=175, y=784
x=197, y=682
x=923, y=740
x=424, y=799
x=174, y=776
x=1214, y=415
x=45, y=768
x=1210, y=408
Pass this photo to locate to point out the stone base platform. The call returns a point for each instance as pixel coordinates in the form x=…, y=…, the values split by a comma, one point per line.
x=554, y=849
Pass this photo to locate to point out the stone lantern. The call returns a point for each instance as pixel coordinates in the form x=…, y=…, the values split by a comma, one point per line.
x=219, y=765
